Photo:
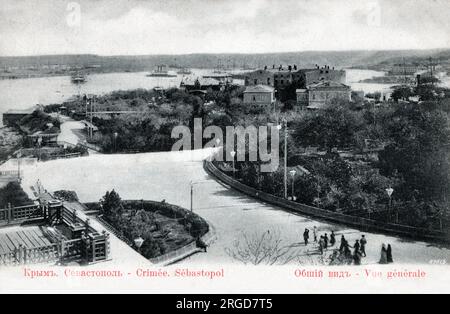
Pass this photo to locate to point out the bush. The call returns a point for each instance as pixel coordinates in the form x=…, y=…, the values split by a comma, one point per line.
x=13, y=194
x=134, y=219
x=68, y=196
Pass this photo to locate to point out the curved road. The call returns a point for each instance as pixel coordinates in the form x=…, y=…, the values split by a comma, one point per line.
x=159, y=176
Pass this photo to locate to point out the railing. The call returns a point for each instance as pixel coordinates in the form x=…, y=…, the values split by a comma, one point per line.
x=14, y=215
x=93, y=246
x=10, y=173
x=71, y=155
x=85, y=145
x=188, y=249
x=71, y=249
x=349, y=220
x=23, y=255
x=114, y=231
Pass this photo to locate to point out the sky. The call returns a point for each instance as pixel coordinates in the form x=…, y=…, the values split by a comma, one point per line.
x=142, y=27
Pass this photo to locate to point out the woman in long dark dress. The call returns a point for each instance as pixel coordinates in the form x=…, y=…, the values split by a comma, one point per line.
x=383, y=257
x=389, y=254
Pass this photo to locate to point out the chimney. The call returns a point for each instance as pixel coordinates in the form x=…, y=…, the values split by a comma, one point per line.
x=273, y=66
x=265, y=67
x=290, y=68
x=295, y=67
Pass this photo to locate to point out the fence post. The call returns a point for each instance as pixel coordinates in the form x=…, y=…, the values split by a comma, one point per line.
x=20, y=253
x=24, y=254
x=63, y=249
x=106, y=236
x=9, y=212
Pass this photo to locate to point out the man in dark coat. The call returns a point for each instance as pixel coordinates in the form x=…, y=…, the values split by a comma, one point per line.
x=306, y=236
x=332, y=238
x=343, y=243
x=363, y=243
x=356, y=246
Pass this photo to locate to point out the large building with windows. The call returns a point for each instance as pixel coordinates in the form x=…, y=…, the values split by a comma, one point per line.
x=320, y=74
x=260, y=77
x=281, y=77
x=317, y=96
x=261, y=95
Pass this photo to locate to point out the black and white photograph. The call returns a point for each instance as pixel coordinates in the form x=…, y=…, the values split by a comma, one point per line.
x=224, y=146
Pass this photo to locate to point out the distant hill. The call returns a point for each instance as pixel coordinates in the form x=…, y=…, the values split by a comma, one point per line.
x=338, y=59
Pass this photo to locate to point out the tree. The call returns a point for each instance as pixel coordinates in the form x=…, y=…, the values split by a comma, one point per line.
x=267, y=248
x=112, y=206
x=13, y=194
x=331, y=127
x=418, y=151
x=401, y=92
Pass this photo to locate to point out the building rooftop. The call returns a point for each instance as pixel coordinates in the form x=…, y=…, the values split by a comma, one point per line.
x=259, y=89
x=327, y=84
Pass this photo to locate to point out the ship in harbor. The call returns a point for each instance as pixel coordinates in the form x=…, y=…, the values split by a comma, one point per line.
x=78, y=78
x=162, y=71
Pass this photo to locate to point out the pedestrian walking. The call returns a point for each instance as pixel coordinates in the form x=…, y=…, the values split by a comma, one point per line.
x=325, y=240
x=315, y=233
x=389, y=254
x=321, y=245
x=383, y=254
x=363, y=243
x=356, y=247
x=357, y=257
x=306, y=236
x=332, y=238
x=343, y=241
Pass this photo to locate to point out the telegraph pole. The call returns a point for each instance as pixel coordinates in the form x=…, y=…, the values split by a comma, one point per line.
x=285, y=158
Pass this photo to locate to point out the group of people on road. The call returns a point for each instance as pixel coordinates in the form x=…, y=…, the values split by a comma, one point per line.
x=326, y=241
x=344, y=253
x=359, y=249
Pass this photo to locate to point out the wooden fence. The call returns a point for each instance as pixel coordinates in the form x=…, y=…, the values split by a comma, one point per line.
x=361, y=223
x=87, y=245
x=23, y=255
x=17, y=215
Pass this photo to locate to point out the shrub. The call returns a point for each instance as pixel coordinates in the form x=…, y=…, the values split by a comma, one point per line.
x=68, y=196
x=13, y=194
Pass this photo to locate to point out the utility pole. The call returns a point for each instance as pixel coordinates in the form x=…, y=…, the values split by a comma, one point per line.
x=19, y=154
x=192, y=196
x=91, y=131
x=285, y=158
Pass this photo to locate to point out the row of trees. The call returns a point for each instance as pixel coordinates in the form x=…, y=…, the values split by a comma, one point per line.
x=411, y=156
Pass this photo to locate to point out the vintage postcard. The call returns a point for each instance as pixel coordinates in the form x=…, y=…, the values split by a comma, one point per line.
x=225, y=146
